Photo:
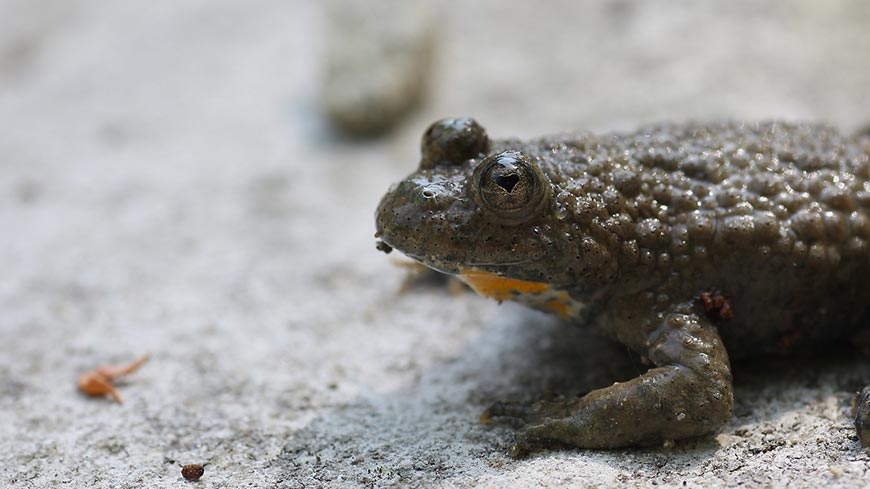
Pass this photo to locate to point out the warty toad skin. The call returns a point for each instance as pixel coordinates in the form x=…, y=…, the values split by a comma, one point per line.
x=689, y=243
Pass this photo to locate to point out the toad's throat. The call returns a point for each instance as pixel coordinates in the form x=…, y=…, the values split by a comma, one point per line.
x=539, y=295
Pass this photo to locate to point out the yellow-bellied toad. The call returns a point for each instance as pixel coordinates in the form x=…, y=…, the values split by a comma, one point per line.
x=684, y=242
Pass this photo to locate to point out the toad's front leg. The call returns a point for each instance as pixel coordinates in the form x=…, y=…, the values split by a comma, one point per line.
x=687, y=393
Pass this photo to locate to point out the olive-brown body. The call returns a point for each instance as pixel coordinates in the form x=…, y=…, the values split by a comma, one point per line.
x=687, y=242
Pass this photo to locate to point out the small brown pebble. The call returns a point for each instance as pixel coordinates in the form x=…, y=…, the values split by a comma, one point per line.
x=192, y=472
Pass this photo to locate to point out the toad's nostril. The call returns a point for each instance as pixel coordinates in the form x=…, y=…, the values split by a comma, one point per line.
x=428, y=194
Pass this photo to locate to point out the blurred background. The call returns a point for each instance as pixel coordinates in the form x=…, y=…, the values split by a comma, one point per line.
x=197, y=180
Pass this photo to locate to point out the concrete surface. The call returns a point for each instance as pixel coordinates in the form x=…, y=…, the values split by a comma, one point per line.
x=168, y=185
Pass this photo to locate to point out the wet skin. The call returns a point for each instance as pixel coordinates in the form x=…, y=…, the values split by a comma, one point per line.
x=689, y=243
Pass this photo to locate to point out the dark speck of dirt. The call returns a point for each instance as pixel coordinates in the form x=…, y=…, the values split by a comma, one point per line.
x=381, y=246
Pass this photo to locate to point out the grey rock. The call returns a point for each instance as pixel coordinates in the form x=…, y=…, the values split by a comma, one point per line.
x=379, y=61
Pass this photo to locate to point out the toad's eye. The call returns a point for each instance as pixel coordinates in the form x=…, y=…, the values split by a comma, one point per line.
x=452, y=142
x=509, y=185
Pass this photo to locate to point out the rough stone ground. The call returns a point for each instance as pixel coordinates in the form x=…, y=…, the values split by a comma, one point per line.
x=168, y=185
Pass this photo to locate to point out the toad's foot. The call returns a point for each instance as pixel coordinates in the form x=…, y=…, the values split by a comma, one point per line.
x=687, y=394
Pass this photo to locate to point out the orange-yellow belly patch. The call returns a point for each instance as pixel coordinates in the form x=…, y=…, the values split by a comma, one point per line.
x=500, y=288
x=535, y=294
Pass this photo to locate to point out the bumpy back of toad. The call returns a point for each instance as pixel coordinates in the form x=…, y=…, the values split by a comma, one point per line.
x=773, y=216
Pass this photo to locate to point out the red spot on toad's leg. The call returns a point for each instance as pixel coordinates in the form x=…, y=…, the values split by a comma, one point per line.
x=717, y=306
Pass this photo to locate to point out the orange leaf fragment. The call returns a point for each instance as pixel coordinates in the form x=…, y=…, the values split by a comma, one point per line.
x=98, y=382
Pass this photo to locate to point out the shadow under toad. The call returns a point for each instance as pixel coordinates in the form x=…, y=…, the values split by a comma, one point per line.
x=430, y=431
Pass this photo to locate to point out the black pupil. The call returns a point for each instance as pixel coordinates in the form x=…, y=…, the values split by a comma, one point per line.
x=507, y=182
